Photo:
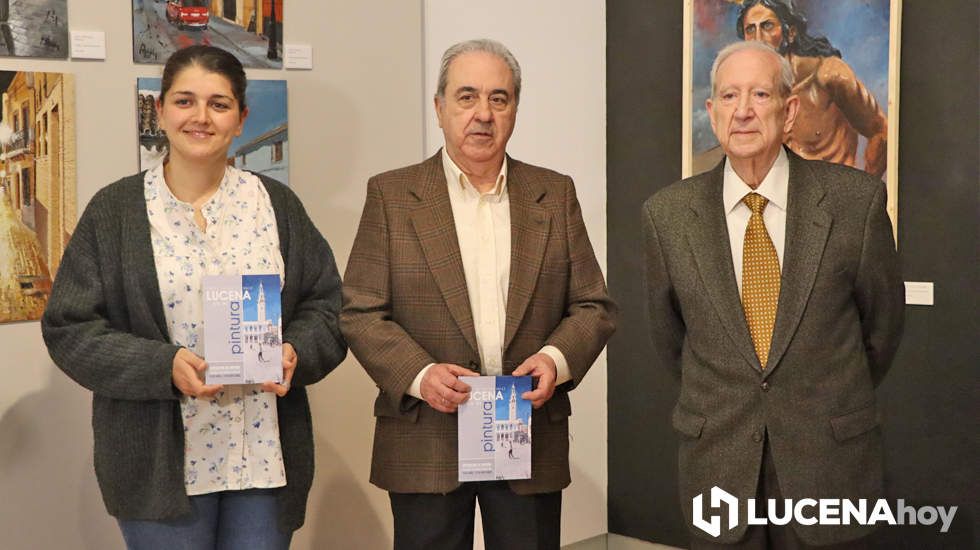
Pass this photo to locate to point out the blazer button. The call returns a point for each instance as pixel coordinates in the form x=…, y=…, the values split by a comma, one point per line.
x=757, y=437
x=765, y=386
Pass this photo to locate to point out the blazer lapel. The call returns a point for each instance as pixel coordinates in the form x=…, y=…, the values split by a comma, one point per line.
x=707, y=233
x=529, y=227
x=807, y=227
x=433, y=221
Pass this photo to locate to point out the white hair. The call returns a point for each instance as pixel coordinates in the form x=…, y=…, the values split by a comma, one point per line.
x=785, y=69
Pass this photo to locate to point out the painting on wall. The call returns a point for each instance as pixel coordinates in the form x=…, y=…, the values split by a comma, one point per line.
x=34, y=28
x=844, y=56
x=263, y=147
x=249, y=29
x=37, y=187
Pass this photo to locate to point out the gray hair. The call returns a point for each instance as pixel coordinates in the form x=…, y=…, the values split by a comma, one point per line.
x=479, y=45
x=785, y=82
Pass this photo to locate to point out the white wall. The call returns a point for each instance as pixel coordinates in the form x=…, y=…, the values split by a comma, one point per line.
x=561, y=124
x=362, y=110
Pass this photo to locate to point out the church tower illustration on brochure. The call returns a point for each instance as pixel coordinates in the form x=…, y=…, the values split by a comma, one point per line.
x=513, y=403
x=261, y=305
x=513, y=430
x=262, y=329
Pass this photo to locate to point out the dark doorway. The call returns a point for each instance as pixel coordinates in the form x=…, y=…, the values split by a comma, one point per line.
x=231, y=10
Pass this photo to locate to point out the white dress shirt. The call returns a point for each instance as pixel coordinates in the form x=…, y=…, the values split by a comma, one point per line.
x=483, y=231
x=231, y=440
x=775, y=187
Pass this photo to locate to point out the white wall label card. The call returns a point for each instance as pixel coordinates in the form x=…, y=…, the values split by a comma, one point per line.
x=87, y=45
x=918, y=294
x=298, y=56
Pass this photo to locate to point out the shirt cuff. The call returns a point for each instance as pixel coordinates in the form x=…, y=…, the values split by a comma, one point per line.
x=415, y=390
x=561, y=365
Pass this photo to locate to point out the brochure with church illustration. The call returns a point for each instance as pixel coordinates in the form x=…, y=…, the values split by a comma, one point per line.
x=242, y=329
x=495, y=429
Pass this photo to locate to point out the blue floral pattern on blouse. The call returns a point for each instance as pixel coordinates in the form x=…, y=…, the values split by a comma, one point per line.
x=231, y=441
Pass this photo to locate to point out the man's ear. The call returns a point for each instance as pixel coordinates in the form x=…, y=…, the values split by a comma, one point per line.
x=707, y=105
x=438, y=104
x=792, y=107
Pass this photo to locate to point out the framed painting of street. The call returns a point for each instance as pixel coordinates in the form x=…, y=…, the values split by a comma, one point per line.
x=845, y=59
x=249, y=29
x=34, y=28
x=37, y=187
x=263, y=147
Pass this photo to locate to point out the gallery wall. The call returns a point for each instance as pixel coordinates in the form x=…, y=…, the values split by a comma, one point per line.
x=928, y=400
x=364, y=108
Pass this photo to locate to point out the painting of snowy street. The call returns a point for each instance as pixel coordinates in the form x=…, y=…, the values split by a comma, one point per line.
x=34, y=28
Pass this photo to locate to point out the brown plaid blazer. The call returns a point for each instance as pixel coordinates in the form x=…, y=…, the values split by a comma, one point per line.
x=406, y=305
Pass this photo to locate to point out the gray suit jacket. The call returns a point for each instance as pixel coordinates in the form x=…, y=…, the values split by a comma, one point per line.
x=406, y=305
x=838, y=324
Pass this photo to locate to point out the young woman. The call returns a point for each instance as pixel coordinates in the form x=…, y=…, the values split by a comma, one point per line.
x=183, y=464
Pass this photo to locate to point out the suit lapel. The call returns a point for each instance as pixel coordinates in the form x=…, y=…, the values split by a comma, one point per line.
x=433, y=221
x=807, y=227
x=707, y=233
x=529, y=227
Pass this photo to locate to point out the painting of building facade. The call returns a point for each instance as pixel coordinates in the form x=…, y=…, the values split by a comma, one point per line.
x=844, y=56
x=249, y=29
x=37, y=187
x=34, y=28
x=263, y=147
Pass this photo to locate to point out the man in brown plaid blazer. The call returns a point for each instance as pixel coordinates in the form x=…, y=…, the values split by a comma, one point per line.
x=472, y=263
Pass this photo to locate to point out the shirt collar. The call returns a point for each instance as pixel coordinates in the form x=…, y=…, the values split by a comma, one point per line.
x=775, y=186
x=454, y=174
x=154, y=178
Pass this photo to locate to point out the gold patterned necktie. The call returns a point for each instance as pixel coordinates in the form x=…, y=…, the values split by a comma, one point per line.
x=760, y=278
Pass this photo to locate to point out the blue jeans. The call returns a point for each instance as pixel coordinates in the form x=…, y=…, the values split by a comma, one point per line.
x=219, y=521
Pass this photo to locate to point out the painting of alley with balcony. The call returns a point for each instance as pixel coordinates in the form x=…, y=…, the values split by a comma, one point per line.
x=249, y=29
x=37, y=187
x=34, y=28
x=263, y=147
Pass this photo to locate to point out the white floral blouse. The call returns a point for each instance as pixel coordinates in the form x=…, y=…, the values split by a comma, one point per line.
x=231, y=441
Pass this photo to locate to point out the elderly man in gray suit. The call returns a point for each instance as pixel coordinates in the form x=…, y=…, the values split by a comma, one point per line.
x=774, y=292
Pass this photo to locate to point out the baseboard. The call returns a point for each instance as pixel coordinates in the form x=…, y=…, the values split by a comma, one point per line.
x=597, y=542
x=612, y=541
